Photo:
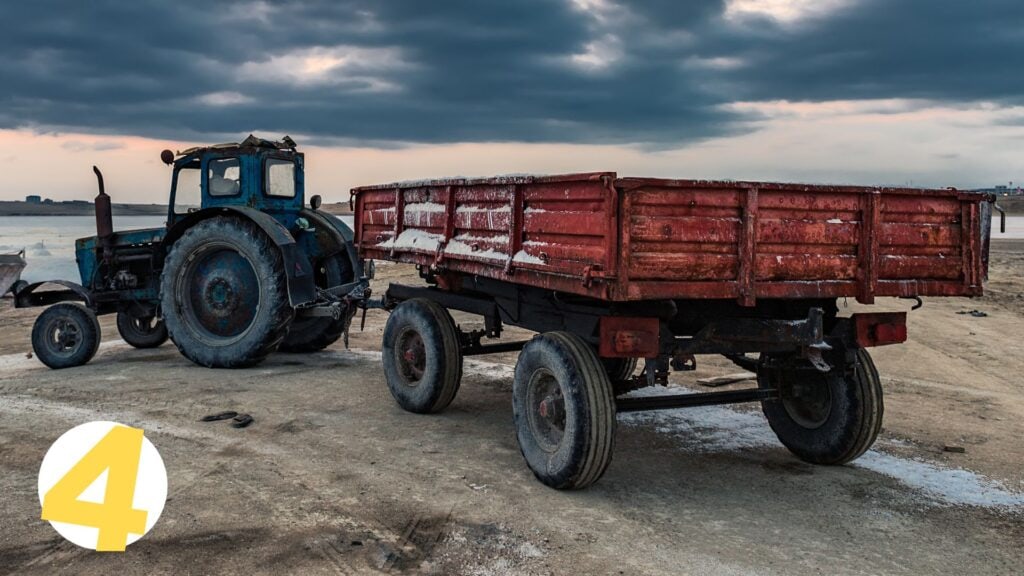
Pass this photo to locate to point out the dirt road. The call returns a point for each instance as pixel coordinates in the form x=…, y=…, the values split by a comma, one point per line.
x=334, y=478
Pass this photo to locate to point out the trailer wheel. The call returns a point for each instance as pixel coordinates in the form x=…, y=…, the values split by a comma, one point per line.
x=421, y=356
x=66, y=335
x=223, y=294
x=141, y=332
x=620, y=372
x=829, y=418
x=312, y=333
x=564, y=411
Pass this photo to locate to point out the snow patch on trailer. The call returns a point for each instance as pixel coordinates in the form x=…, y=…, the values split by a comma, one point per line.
x=717, y=428
x=462, y=249
x=497, y=239
x=522, y=257
x=413, y=239
x=418, y=213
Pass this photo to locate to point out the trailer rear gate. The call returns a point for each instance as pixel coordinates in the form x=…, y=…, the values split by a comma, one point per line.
x=641, y=238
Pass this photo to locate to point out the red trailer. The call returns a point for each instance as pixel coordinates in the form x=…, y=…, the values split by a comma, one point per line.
x=608, y=270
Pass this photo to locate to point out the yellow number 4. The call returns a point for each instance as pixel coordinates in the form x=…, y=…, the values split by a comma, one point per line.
x=118, y=453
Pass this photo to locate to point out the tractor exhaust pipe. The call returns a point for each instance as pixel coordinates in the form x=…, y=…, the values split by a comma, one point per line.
x=104, y=218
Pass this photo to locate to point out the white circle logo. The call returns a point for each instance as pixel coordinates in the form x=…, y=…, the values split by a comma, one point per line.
x=102, y=485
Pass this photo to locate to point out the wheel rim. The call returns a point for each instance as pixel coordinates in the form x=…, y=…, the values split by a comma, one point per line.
x=218, y=291
x=64, y=337
x=545, y=408
x=809, y=401
x=411, y=357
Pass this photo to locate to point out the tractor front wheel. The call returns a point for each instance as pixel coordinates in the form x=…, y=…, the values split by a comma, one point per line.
x=224, y=294
x=66, y=335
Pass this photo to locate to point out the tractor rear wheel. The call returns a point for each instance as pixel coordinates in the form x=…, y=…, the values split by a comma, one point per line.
x=224, y=294
x=66, y=335
x=316, y=333
x=141, y=332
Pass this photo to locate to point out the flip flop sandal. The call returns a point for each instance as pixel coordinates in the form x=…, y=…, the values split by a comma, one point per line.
x=219, y=416
x=241, y=421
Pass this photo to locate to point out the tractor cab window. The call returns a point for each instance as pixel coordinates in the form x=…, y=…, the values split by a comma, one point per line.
x=224, y=175
x=280, y=178
x=188, y=193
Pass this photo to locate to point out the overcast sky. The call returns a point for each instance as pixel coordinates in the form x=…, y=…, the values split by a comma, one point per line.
x=929, y=92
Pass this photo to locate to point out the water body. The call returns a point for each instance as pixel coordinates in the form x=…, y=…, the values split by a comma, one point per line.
x=49, y=241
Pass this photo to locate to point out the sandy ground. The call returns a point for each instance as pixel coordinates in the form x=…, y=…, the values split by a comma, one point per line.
x=333, y=478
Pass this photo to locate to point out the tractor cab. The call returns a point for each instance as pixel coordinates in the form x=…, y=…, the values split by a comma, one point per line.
x=254, y=173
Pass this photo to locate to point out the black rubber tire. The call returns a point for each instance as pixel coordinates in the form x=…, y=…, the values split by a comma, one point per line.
x=312, y=334
x=423, y=378
x=620, y=371
x=76, y=325
x=847, y=417
x=578, y=452
x=259, y=292
x=141, y=332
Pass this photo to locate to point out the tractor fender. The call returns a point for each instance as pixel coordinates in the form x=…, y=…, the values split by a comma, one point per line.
x=342, y=234
x=298, y=270
x=25, y=295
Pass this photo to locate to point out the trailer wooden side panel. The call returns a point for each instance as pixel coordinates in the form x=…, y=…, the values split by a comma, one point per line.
x=639, y=239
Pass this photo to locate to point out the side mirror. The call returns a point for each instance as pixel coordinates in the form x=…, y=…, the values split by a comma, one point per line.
x=315, y=201
x=167, y=157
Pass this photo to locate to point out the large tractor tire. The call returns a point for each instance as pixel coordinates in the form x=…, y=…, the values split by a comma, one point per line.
x=66, y=335
x=141, y=331
x=823, y=418
x=421, y=356
x=316, y=333
x=224, y=294
x=564, y=410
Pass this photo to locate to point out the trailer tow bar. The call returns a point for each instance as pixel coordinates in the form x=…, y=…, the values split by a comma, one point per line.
x=689, y=400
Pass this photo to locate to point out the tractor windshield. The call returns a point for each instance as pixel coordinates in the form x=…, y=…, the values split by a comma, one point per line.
x=280, y=178
x=187, y=192
x=224, y=177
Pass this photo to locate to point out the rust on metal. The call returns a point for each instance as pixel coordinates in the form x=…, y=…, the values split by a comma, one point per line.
x=624, y=239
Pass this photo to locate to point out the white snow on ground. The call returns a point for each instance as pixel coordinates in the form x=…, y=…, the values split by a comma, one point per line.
x=719, y=428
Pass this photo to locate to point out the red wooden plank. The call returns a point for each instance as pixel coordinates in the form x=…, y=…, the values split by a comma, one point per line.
x=747, y=250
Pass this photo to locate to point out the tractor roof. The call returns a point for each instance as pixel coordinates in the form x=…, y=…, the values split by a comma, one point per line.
x=251, y=141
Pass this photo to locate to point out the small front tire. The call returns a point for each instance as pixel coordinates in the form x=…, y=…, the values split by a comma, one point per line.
x=66, y=335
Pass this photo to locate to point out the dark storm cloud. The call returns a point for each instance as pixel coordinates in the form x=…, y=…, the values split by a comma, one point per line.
x=654, y=72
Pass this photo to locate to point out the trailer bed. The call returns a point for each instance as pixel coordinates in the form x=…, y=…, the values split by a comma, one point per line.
x=627, y=239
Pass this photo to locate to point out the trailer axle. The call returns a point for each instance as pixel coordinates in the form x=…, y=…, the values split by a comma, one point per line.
x=689, y=400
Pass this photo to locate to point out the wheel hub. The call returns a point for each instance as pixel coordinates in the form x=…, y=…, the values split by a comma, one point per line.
x=221, y=293
x=412, y=357
x=220, y=296
x=546, y=412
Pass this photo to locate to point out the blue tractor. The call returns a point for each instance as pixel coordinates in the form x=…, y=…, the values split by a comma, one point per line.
x=243, y=267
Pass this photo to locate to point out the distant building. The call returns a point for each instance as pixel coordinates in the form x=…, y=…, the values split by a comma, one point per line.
x=1003, y=190
x=33, y=199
